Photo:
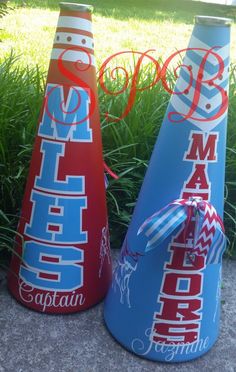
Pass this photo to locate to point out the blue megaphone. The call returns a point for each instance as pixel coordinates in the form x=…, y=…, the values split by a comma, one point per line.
x=164, y=301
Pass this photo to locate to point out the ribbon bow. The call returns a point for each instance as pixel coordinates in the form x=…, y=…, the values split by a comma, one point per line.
x=161, y=224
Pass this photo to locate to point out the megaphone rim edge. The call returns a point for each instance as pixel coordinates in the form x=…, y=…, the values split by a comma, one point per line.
x=76, y=7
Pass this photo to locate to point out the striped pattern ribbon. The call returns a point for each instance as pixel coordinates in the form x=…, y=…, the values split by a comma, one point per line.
x=208, y=225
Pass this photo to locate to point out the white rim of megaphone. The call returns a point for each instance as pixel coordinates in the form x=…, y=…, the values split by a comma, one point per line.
x=76, y=7
x=213, y=21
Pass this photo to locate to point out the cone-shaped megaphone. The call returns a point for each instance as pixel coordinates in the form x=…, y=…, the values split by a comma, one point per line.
x=164, y=302
x=65, y=263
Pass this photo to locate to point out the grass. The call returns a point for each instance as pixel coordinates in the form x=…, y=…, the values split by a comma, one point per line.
x=124, y=150
x=230, y=185
x=20, y=96
x=29, y=32
x=138, y=25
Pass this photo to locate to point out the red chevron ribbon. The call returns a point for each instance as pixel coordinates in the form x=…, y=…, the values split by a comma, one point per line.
x=207, y=222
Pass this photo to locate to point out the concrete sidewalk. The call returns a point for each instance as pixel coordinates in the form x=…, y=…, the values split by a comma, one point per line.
x=35, y=342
